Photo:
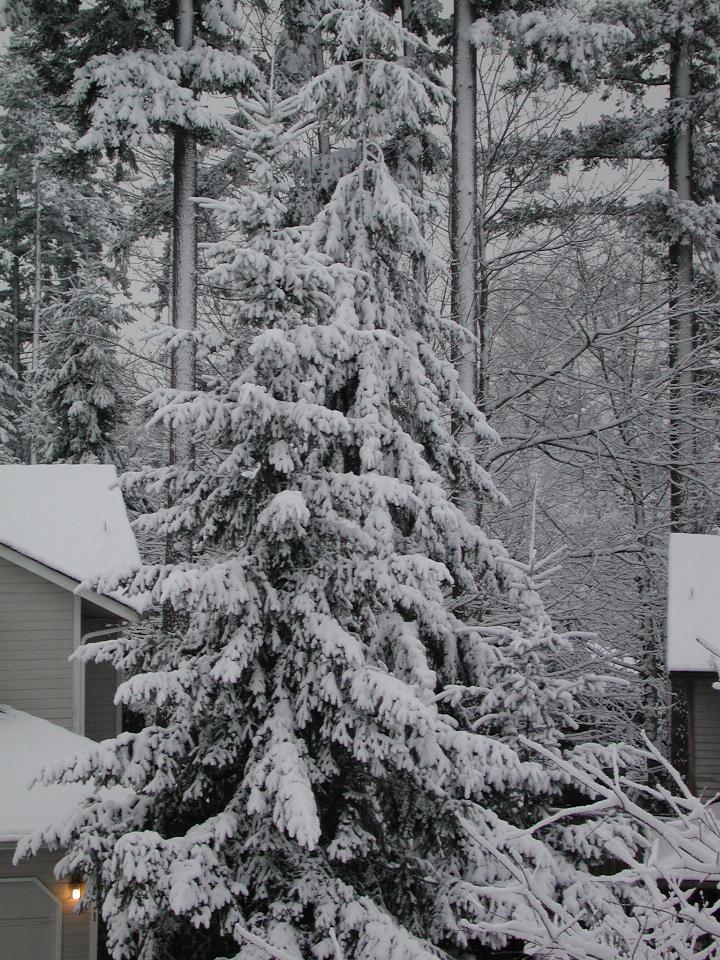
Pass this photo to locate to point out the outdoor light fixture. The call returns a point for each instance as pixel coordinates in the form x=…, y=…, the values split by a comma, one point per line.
x=75, y=891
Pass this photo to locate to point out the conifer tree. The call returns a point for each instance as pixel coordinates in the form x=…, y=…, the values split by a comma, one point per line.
x=38, y=163
x=155, y=80
x=82, y=382
x=134, y=70
x=9, y=409
x=50, y=195
x=325, y=712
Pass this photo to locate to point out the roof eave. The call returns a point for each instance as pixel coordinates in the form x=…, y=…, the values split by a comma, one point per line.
x=116, y=607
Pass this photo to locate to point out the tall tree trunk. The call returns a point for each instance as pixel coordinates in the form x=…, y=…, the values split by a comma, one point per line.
x=35, y=357
x=319, y=70
x=182, y=301
x=15, y=282
x=682, y=316
x=463, y=210
x=184, y=277
x=38, y=278
x=483, y=308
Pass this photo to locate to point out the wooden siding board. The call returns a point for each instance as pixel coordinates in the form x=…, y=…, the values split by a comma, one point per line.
x=55, y=685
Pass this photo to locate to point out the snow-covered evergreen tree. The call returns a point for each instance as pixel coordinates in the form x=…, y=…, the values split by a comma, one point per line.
x=9, y=408
x=38, y=157
x=82, y=382
x=133, y=71
x=57, y=210
x=324, y=714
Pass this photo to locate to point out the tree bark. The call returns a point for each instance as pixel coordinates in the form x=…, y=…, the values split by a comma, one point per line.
x=682, y=317
x=463, y=211
x=184, y=276
x=182, y=303
x=483, y=311
x=35, y=356
x=15, y=281
x=38, y=279
x=318, y=69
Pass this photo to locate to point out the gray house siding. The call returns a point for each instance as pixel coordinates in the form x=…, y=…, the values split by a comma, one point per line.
x=706, y=735
x=76, y=927
x=36, y=639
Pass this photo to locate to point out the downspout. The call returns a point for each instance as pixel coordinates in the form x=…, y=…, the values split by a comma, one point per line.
x=83, y=638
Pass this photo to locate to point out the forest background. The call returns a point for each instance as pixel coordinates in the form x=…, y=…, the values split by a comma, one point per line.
x=576, y=219
x=568, y=185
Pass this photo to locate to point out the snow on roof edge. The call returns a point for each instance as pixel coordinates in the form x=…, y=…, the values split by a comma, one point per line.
x=27, y=743
x=135, y=606
x=72, y=520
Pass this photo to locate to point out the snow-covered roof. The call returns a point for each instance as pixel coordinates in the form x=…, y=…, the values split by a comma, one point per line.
x=693, y=601
x=69, y=517
x=26, y=744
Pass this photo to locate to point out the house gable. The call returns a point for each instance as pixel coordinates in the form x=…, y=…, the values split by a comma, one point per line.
x=37, y=629
x=43, y=618
x=108, y=604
